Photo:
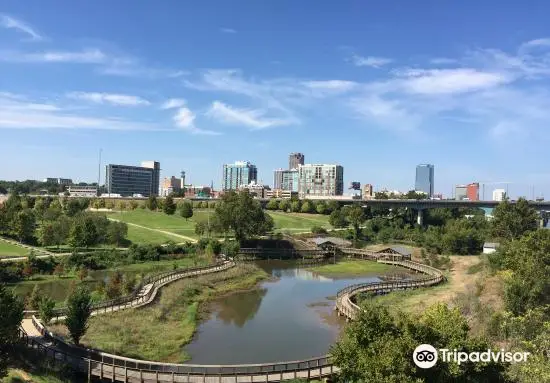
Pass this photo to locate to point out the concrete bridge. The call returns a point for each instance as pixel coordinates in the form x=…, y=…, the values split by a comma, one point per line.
x=116, y=368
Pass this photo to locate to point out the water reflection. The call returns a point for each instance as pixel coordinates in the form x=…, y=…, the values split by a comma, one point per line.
x=239, y=308
x=290, y=317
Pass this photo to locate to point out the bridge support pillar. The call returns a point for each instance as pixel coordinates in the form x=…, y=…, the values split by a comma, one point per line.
x=420, y=217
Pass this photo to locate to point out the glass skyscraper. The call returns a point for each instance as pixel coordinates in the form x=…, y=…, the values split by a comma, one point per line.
x=425, y=179
x=129, y=180
x=237, y=174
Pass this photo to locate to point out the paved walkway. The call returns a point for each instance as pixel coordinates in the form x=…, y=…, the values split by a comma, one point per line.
x=40, y=253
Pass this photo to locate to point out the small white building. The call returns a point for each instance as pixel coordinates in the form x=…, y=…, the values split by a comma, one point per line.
x=490, y=247
x=499, y=195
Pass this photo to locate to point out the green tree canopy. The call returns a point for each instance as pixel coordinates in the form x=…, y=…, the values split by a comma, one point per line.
x=511, y=221
x=79, y=309
x=241, y=214
x=11, y=309
x=338, y=219
x=186, y=210
x=356, y=217
x=273, y=204
x=151, y=203
x=169, y=206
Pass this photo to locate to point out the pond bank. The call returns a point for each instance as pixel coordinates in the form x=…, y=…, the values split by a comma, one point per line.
x=158, y=332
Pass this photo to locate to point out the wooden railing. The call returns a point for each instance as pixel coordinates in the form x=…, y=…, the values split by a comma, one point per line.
x=140, y=298
x=117, y=368
x=96, y=363
x=349, y=309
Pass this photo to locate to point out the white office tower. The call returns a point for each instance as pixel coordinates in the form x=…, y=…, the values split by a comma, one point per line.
x=499, y=195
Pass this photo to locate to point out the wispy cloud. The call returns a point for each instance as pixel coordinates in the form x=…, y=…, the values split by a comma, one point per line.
x=109, y=98
x=185, y=120
x=331, y=86
x=22, y=113
x=255, y=119
x=173, y=103
x=85, y=56
x=443, y=61
x=370, y=61
x=9, y=22
x=227, y=30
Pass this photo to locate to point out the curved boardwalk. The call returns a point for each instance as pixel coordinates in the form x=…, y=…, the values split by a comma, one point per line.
x=121, y=369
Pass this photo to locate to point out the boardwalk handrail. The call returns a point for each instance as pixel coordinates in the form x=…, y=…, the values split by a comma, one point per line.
x=119, y=368
x=349, y=309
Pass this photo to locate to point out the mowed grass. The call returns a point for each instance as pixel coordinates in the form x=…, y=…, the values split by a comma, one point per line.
x=16, y=375
x=8, y=250
x=292, y=222
x=298, y=221
x=144, y=236
x=158, y=332
x=353, y=268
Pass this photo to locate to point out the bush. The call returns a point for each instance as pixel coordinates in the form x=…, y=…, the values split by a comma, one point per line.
x=318, y=230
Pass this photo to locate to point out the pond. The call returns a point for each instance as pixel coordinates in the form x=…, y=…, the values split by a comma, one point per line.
x=291, y=317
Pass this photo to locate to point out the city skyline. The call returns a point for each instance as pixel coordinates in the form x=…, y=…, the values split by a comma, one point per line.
x=195, y=91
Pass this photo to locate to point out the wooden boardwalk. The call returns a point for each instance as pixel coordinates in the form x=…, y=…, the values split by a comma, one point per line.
x=121, y=369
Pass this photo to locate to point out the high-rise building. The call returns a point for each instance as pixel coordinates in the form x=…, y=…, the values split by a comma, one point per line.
x=472, y=191
x=290, y=180
x=368, y=191
x=237, y=174
x=278, y=179
x=499, y=195
x=156, y=175
x=425, y=179
x=295, y=160
x=461, y=192
x=127, y=180
x=320, y=180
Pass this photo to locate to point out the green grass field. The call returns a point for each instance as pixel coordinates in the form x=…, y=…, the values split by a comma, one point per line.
x=291, y=222
x=352, y=268
x=9, y=250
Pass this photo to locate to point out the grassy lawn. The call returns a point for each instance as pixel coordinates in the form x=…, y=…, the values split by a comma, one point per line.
x=8, y=250
x=143, y=236
x=16, y=375
x=352, y=268
x=159, y=332
x=292, y=222
x=298, y=221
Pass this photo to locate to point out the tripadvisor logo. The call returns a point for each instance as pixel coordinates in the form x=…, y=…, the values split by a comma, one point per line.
x=426, y=356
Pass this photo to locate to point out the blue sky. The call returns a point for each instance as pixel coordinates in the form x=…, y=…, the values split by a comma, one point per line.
x=377, y=87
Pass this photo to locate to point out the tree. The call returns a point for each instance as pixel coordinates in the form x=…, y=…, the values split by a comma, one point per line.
x=528, y=259
x=46, y=309
x=169, y=206
x=82, y=273
x=243, y=215
x=284, y=205
x=356, y=217
x=321, y=207
x=151, y=203
x=46, y=234
x=295, y=206
x=35, y=298
x=79, y=309
x=200, y=228
x=117, y=232
x=59, y=270
x=332, y=205
x=11, y=308
x=24, y=225
x=40, y=207
x=27, y=270
x=114, y=287
x=307, y=207
x=129, y=283
x=511, y=221
x=272, y=204
x=338, y=219
x=186, y=210
x=378, y=348
x=133, y=205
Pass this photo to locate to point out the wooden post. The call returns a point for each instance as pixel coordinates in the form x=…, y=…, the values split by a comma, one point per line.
x=89, y=371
